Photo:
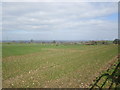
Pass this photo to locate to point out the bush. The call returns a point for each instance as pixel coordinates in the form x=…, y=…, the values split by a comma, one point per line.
x=116, y=41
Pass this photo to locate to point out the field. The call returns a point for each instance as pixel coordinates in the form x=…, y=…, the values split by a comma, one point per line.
x=51, y=66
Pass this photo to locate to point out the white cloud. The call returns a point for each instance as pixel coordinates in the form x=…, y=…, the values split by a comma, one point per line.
x=0, y=21
x=72, y=18
x=60, y=0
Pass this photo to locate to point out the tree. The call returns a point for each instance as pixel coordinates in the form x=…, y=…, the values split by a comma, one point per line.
x=31, y=40
x=54, y=41
x=116, y=41
x=93, y=42
x=104, y=42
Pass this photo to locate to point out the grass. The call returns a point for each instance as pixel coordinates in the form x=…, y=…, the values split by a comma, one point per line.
x=110, y=75
x=40, y=66
x=21, y=49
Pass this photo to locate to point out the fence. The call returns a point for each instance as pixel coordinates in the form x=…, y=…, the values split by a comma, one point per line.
x=110, y=79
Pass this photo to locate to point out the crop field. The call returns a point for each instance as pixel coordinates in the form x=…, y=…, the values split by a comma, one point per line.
x=50, y=66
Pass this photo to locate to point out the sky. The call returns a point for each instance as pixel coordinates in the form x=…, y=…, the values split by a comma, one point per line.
x=59, y=20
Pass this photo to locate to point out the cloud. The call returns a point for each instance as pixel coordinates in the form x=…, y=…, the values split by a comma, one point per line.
x=60, y=0
x=56, y=19
x=0, y=21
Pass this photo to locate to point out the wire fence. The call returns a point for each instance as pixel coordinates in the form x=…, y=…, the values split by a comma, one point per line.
x=109, y=79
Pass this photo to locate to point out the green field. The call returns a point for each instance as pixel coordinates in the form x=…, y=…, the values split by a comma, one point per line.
x=47, y=65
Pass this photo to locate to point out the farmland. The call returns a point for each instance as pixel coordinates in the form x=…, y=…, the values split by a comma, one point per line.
x=50, y=66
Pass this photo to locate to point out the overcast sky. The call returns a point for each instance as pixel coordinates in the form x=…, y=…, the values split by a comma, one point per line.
x=60, y=21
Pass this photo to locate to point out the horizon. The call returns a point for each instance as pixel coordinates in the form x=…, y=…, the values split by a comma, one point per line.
x=55, y=40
